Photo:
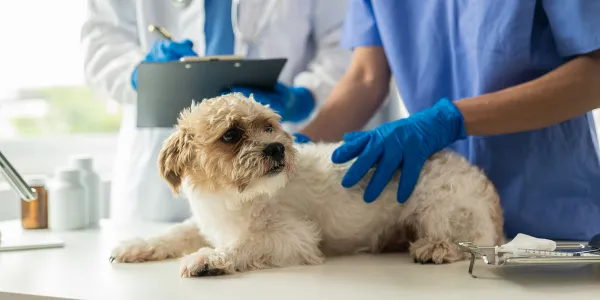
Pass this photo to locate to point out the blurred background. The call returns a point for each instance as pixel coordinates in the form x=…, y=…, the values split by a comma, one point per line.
x=45, y=105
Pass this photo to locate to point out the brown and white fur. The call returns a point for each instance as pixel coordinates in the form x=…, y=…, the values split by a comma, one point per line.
x=255, y=208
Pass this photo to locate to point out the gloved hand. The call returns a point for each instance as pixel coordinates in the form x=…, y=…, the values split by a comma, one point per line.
x=293, y=104
x=300, y=138
x=408, y=142
x=165, y=50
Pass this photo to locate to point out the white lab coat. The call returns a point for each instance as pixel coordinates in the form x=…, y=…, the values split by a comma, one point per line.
x=115, y=39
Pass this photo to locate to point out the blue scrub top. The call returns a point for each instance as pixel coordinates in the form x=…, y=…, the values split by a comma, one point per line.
x=548, y=179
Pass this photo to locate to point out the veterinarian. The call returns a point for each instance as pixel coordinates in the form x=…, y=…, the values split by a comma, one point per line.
x=115, y=40
x=509, y=84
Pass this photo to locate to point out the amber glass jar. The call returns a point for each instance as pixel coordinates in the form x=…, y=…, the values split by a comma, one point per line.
x=34, y=214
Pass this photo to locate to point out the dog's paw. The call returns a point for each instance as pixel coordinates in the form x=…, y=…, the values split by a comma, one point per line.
x=137, y=250
x=438, y=252
x=205, y=262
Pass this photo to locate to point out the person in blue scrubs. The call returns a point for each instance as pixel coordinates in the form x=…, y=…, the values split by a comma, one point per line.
x=508, y=84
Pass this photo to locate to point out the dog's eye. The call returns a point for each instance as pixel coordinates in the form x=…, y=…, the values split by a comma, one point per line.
x=232, y=135
x=269, y=128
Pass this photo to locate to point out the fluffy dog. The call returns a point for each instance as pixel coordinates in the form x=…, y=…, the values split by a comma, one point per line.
x=260, y=201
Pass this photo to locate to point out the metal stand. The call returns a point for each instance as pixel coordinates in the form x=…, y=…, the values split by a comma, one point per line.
x=567, y=254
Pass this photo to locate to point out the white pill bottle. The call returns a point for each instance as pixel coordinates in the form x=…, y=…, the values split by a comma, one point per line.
x=91, y=184
x=67, y=209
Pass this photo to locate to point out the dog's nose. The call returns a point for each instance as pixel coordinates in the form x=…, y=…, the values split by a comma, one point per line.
x=275, y=150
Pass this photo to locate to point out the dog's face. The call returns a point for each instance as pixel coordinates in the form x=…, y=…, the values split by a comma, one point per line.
x=228, y=143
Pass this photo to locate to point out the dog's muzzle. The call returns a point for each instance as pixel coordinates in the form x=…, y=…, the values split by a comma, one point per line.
x=276, y=154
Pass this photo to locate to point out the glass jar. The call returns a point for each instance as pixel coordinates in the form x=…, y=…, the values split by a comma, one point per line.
x=34, y=214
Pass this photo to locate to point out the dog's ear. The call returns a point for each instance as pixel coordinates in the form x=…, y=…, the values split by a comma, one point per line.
x=174, y=157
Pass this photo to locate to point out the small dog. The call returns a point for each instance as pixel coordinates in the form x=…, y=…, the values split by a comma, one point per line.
x=260, y=201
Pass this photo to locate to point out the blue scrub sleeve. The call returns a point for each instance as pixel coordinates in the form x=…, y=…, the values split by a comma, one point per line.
x=360, y=27
x=575, y=25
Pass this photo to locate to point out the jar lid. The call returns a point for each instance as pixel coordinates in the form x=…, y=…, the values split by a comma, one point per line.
x=67, y=173
x=36, y=180
x=81, y=161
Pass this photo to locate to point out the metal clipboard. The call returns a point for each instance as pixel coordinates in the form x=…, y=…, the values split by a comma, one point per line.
x=565, y=253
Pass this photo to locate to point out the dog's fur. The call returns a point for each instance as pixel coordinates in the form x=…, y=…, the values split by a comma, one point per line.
x=254, y=211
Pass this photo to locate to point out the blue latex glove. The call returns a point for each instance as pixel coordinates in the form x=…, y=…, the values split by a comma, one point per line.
x=293, y=104
x=406, y=142
x=300, y=138
x=163, y=51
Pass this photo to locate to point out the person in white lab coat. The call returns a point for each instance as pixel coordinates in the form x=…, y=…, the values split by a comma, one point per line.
x=115, y=40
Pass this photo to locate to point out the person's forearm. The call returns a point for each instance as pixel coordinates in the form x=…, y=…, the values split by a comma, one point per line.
x=355, y=98
x=349, y=107
x=110, y=55
x=567, y=92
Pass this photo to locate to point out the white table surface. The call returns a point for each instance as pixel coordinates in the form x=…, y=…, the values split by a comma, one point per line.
x=81, y=270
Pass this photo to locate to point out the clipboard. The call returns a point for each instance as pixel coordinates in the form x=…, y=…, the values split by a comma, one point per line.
x=20, y=241
x=30, y=244
x=164, y=89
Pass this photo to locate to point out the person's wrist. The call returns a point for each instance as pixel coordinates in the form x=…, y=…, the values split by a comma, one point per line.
x=451, y=115
x=301, y=105
x=301, y=138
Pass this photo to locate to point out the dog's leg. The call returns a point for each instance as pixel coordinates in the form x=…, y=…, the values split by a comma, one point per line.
x=435, y=250
x=443, y=220
x=286, y=242
x=437, y=231
x=179, y=240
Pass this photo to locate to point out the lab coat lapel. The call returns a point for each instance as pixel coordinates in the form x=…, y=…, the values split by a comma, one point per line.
x=250, y=15
x=191, y=25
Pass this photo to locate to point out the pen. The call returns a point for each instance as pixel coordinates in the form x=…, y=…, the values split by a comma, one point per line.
x=163, y=32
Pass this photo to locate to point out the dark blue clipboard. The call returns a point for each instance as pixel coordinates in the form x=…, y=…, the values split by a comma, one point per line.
x=165, y=89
